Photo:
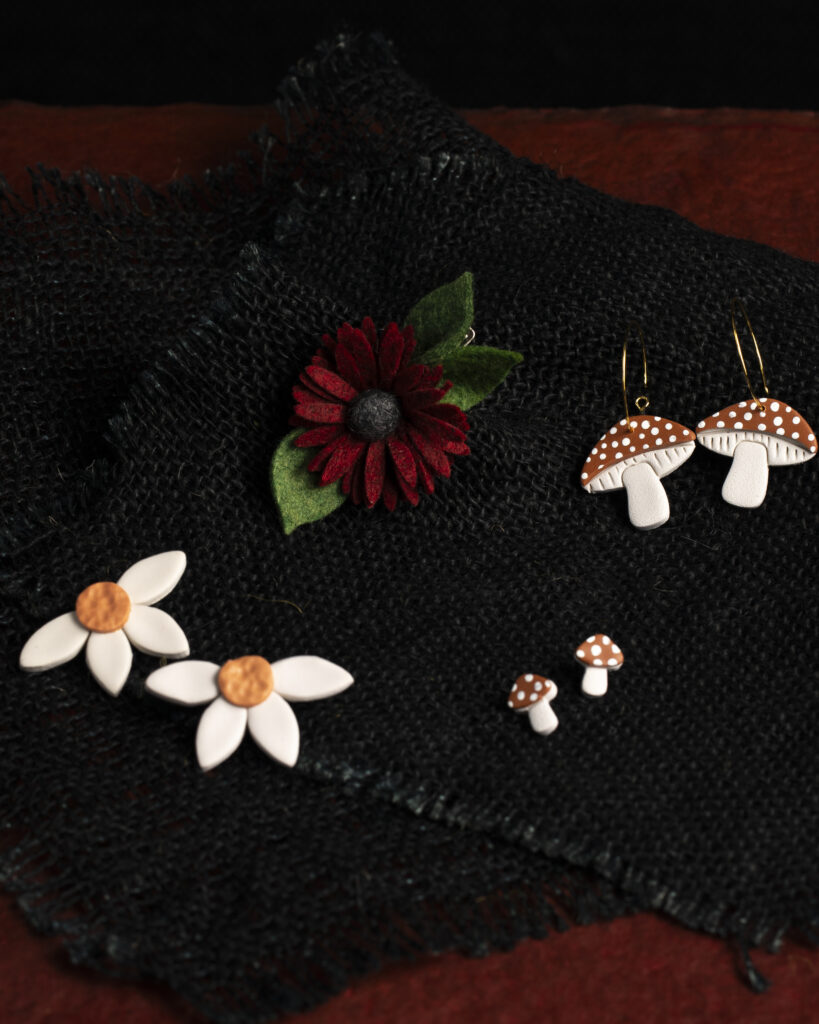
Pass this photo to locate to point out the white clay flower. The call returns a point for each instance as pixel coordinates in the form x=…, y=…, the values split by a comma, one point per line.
x=109, y=618
x=248, y=693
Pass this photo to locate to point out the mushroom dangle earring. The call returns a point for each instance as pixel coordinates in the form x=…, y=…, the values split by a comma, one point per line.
x=637, y=452
x=755, y=434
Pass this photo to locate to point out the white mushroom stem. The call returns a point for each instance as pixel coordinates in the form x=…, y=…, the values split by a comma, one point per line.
x=647, y=500
x=543, y=719
x=747, y=479
x=595, y=681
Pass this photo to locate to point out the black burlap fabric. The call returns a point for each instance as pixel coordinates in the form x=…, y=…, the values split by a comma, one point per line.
x=689, y=788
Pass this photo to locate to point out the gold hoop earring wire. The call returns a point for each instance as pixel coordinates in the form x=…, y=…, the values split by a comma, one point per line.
x=641, y=401
x=736, y=304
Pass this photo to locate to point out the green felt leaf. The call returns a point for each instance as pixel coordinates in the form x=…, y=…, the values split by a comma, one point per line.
x=298, y=493
x=441, y=320
x=475, y=372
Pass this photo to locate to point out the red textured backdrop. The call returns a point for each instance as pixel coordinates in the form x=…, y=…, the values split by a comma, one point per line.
x=745, y=173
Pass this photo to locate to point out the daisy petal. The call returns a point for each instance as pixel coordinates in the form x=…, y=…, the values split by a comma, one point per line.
x=307, y=677
x=356, y=343
x=374, y=472
x=409, y=379
x=186, y=682
x=320, y=412
x=153, y=631
x=451, y=413
x=404, y=462
x=109, y=657
x=342, y=459
x=421, y=398
x=409, y=344
x=53, y=644
x=221, y=730
x=410, y=493
x=319, y=436
x=273, y=726
x=332, y=383
x=438, y=462
x=151, y=579
x=389, y=495
x=389, y=355
x=437, y=429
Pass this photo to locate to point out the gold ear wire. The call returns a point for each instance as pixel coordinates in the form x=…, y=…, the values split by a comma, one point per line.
x=736, y=304
x=641, y=401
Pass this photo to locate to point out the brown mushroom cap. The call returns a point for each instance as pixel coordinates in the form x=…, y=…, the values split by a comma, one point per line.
x=786, y=434
x=662, y=443
x=600, y=651
x=529, y=689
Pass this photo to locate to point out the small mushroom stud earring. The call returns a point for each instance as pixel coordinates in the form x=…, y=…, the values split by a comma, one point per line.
x=598, y=655
x=755, y=434
x=534, y=694
x=636, y=453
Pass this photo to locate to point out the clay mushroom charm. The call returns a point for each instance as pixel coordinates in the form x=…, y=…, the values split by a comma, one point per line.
x=756, y=435
x=636, y=453
x=535, y=694
x=599, y=655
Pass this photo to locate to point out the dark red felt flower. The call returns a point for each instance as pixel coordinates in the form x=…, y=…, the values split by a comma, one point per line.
x=377, y=417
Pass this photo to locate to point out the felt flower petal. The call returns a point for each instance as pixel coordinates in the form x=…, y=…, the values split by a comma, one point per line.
x=151, y=579
x=274, y=727
x=355, y=342
x=389, y=355
x=374, y=472
x=331, y=383
x=153, y=631
x=319, y=435
x=186, y=682
x=320, y=412
x=109, y=658
x=342, y=459
x=55, y=643
x=221, y=729
x=403, y=460
x=307, y=677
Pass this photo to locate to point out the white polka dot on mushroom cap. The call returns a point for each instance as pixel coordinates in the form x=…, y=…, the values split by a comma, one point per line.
x=605, y=640
x=528, y=677
x=596, y=649
x=701, y=424
x=532, y=696
x=673, y=438
x=538, y=684
x=615, y=648
x=579, y=652
x=742, y=404
x=645, y=424
x=655, y=430
x=777, y=420
x=796, y=419
x=780, y=430
x=615, y=444
x=613, y=430
x=746, y=415
x=720, y=423
x=668, y=426
x=612, y=661
x=521, y=695
x=598, y=661
x=775, y=406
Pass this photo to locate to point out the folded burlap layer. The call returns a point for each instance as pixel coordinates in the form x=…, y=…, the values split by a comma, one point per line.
x=417, y=792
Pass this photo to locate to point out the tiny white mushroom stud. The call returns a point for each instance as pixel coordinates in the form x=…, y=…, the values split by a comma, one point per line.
x=598, y=655
x=535, y=694
x=755, y=434
x=636, y=453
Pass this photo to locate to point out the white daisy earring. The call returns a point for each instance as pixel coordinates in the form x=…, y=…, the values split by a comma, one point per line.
x=109, y=618
x=248, y=693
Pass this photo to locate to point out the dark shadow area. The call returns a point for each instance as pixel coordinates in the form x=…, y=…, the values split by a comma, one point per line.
x=586, y=53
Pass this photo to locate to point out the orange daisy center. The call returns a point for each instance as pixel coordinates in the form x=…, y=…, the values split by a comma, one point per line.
x=246, y=681
x=103, y=607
